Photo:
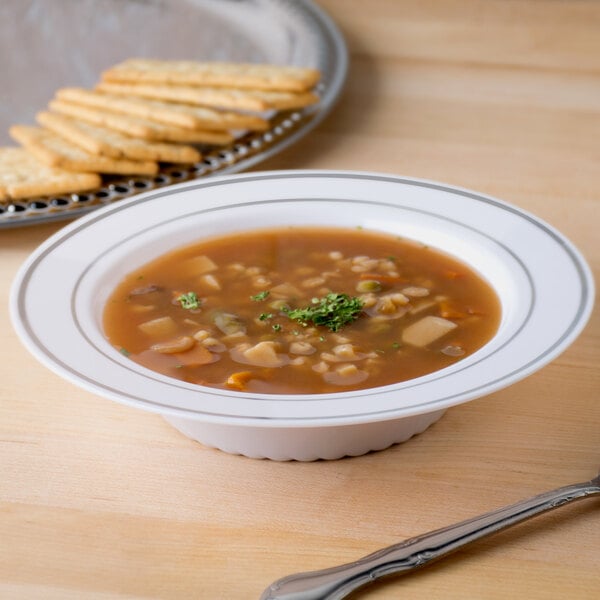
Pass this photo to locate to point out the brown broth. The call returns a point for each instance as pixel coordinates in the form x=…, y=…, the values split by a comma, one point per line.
x=425, y=311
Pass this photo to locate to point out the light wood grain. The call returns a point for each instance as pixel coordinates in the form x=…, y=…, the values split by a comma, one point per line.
x=100, y=501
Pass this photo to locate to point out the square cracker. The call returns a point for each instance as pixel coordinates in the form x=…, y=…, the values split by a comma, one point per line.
x=102, y=141
x=228, y=98
x=138, y=127
x=177, y=115
x=24, y=176
x=220, y=74
x=55, y=151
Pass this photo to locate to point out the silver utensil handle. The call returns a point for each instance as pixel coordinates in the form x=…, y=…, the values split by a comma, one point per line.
x=337, y=582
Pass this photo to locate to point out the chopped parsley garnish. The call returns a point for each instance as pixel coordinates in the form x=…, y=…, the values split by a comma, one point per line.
x=124, y=351
x=277, y=327
x=260, y=296
x=332, y=311
x=189, y=301
x=265, y=316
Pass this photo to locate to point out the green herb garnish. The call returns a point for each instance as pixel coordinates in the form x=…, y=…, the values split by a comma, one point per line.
x=332, y=311
x=260, y=296
x=189, y=301
x=265, y=316
x=277, y=327
x=124, y=351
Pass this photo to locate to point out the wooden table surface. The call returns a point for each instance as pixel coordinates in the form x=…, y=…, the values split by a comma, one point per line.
x=101, y=501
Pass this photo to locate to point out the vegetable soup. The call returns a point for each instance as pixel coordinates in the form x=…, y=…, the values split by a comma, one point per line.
x=301, y=310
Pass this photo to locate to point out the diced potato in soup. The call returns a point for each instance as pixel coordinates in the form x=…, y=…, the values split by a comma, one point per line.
x=301, y=310
x=198, y=265
x=427, y=330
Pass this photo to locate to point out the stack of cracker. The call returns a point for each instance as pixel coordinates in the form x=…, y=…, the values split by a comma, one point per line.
x=141, y=114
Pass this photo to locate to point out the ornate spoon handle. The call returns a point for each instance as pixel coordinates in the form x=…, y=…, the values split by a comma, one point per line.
x=337, y=582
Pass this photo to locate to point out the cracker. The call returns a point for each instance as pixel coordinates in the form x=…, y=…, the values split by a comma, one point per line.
x=99, y=140
x=202, y=96
x=228, y=98
x=68, y=128
x=122, y=123
x=177, y=115
x=140, y=128
x=24, y=176
x=218, y=74
x=54, y=151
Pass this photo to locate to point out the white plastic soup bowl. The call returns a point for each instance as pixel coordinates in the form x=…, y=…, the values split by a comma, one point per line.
x=543, y=283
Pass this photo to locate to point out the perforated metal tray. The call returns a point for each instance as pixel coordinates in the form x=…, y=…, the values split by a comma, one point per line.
x=61, y=54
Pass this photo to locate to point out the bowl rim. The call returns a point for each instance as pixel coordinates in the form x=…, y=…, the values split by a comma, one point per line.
x=561, y=243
